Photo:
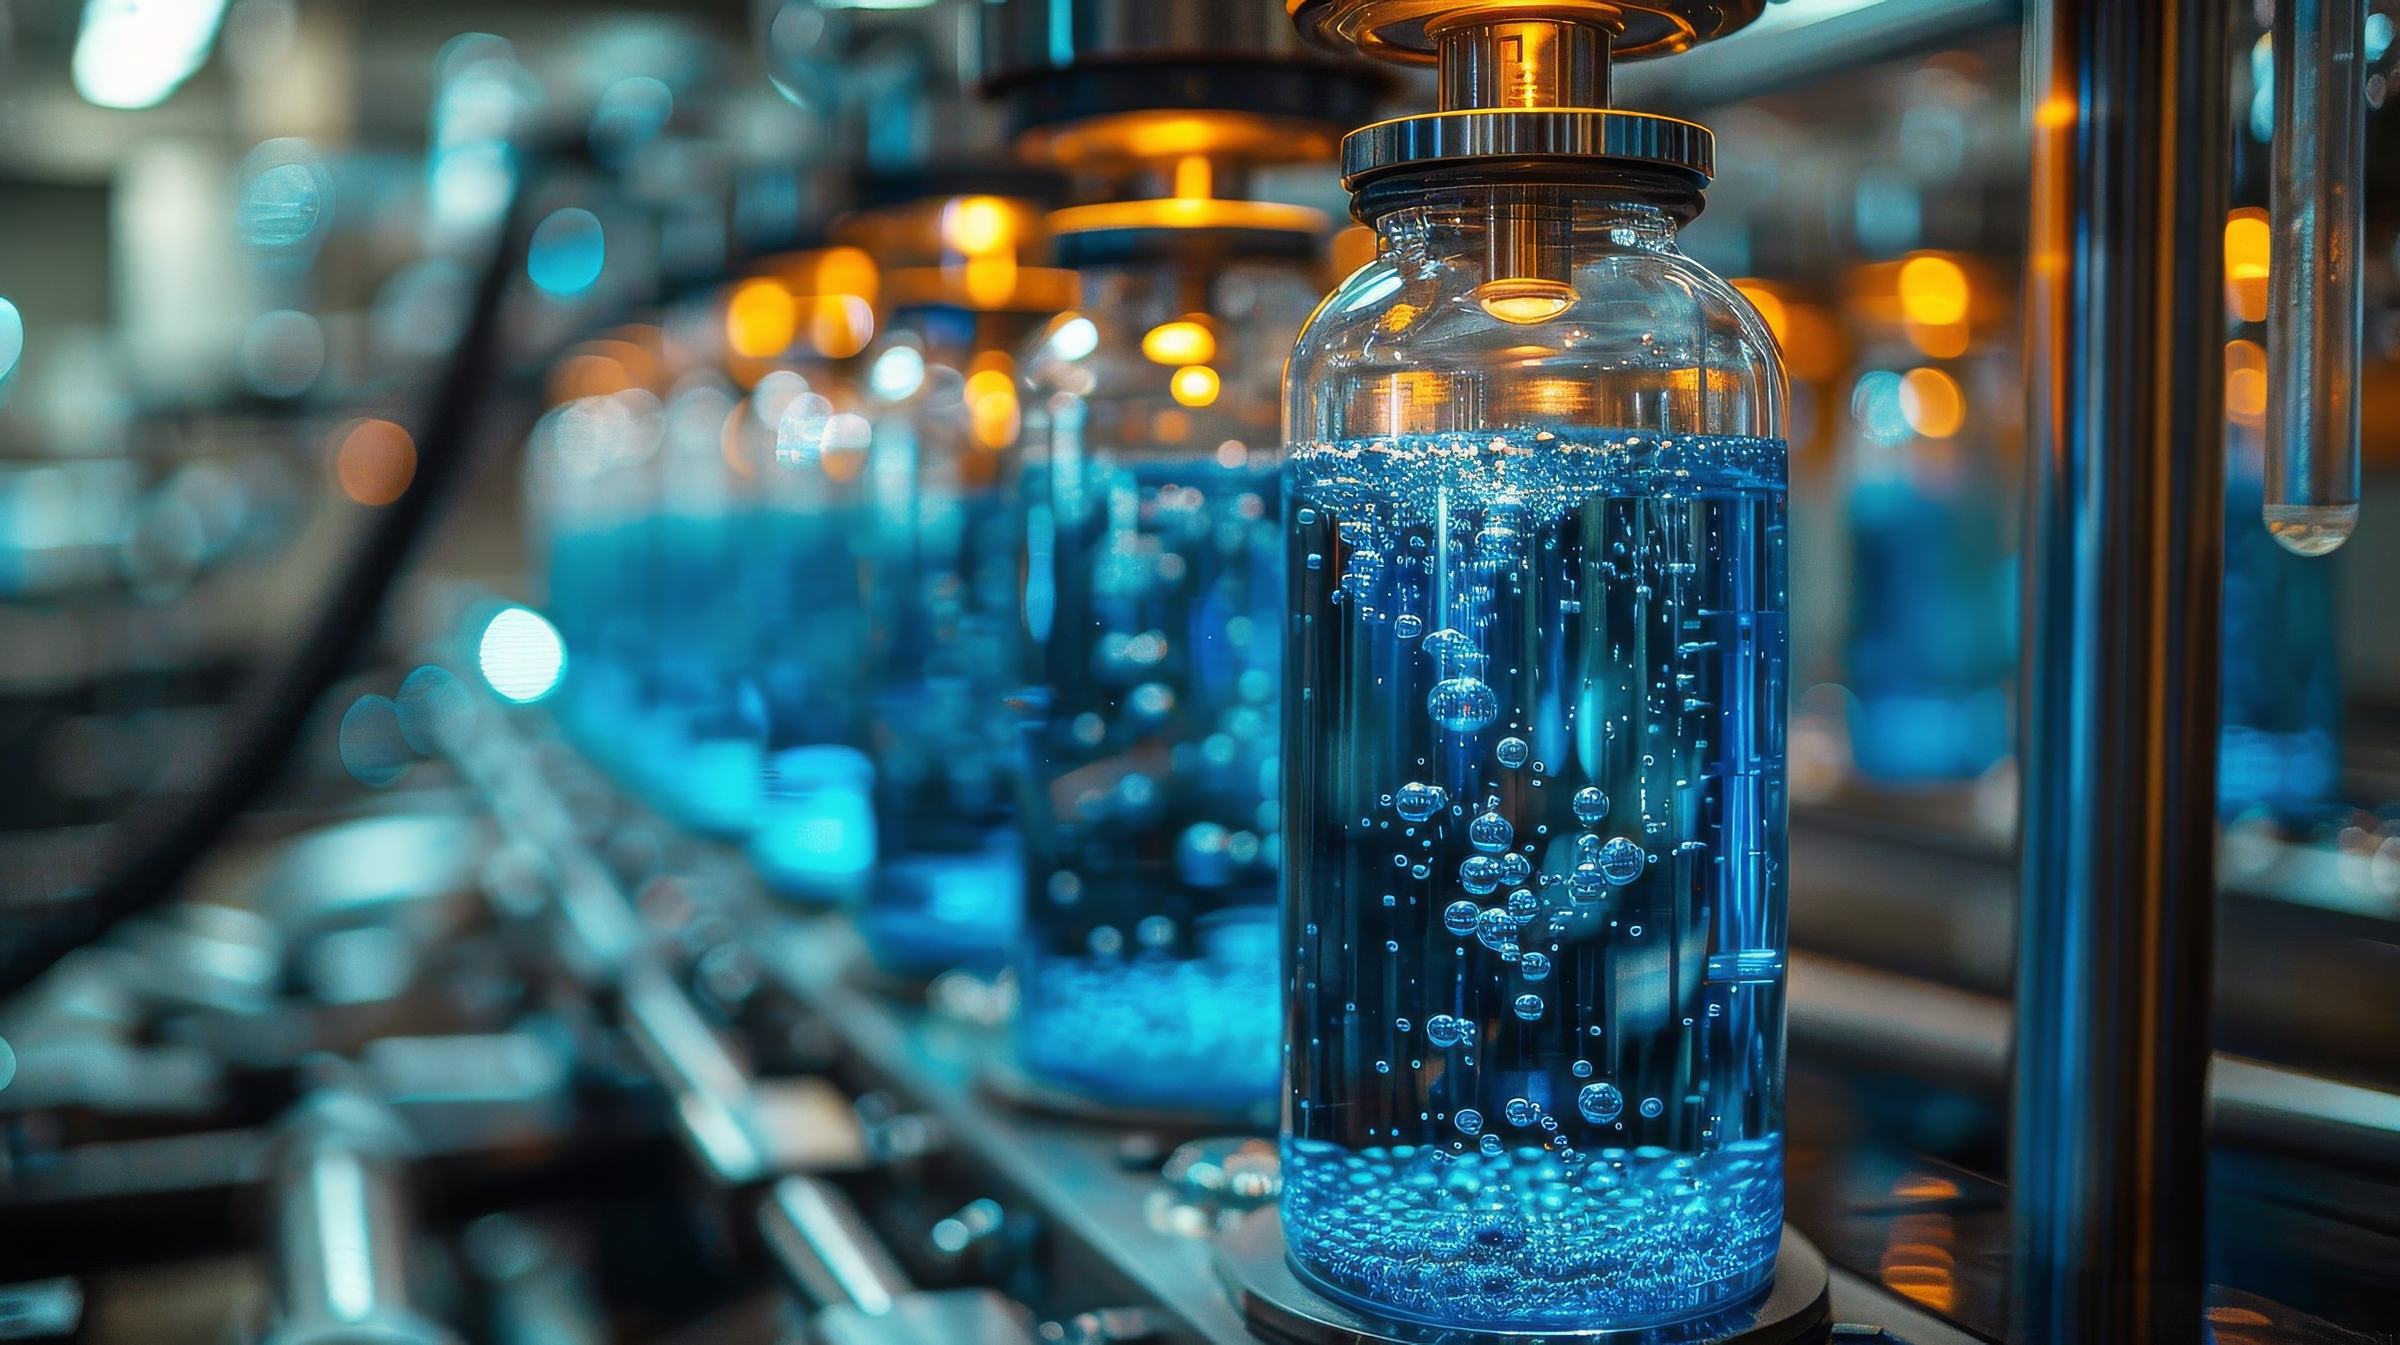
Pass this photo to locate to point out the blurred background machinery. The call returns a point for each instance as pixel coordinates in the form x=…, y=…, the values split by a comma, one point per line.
x=508, y=992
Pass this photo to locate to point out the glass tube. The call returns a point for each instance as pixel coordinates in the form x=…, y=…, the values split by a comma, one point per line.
x=2316, y=312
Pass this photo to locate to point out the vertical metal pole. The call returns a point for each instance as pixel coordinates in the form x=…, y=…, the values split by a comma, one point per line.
x=2123, y=572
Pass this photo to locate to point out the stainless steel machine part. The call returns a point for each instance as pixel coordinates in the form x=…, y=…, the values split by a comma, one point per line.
x=341, y=1232
x=861, y=1295
x=2119, y=740
x=1257, y=1270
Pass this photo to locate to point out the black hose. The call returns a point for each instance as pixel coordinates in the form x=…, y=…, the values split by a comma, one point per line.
x=155, y=849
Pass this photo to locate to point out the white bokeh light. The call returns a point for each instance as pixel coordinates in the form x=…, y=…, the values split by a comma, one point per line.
x=133, y=53
x=521, y=655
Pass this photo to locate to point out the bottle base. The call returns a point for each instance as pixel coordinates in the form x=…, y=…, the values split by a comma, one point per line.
x=1280, y=1304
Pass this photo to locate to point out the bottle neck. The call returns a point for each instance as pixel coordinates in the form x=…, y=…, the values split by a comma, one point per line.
x=1473, y=220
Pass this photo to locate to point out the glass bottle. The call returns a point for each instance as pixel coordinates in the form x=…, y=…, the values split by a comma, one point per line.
x=938, y=548
x=806, y=441
x=1154, y=597
x=1534, y=742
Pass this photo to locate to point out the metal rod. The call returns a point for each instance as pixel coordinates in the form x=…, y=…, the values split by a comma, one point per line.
x=2316, y=289
x=1522, y=62
x=2123, y=575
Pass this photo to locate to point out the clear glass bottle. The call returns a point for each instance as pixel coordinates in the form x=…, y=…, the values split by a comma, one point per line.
x=938, y=544
x=940, y=549
x=1534, y=742
x=641, y=521
x=806, y=441
x=1154, y=598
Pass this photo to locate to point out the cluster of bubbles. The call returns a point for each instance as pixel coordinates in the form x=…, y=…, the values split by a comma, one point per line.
x=1519, y=1238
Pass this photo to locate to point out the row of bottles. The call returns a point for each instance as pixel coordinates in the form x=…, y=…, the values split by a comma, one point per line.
x=1396, y=746
x=1395, y=742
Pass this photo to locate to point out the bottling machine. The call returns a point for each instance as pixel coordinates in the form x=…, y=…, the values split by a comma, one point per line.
x=926, y=706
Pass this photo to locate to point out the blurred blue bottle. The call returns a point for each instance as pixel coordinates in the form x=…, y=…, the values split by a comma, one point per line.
x=939, y=550
x=814, y=837
x=1932, y=639
x=592, y=494
x=2280, y=752
x=1154, y=593
x=711, y=718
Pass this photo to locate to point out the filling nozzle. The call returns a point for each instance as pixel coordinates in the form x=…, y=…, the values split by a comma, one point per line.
x=1510, y=60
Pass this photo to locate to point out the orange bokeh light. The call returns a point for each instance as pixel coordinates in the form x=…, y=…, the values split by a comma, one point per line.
x=2248, y=243
x=2245, y=382
x=760, y=319
x=374, y=461
x=1770, y=306
x=1932, y=403
x=840, y=325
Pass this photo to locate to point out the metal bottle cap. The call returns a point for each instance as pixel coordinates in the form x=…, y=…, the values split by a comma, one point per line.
x=1524, y=83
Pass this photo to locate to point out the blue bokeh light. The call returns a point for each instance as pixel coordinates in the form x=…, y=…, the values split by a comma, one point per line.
x=567, y=252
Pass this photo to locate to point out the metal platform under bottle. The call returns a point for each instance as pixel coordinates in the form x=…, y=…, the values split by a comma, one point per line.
x=1279, y=1306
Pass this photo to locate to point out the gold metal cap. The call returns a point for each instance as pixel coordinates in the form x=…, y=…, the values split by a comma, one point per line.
x=1407, y=31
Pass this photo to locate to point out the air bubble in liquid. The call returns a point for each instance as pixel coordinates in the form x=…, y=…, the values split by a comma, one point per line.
x=1459, y=917
x=1586, y=882
x=1445, y=1031
x=1600, y=1103
x=1495, y=928
x=1521, y=1112
x=1590, y=805
x=1491, y=1146
x=1479, y=874
x=1513, y=752
x=1536, y=967
x=1582, y=1069
x=1515, y=868
x=1462, y=704
x=1454, y=653
x=1621, y=861
x=1468, y=1120
x=1521, y=903
x=1420, y=871
x=1408, y=626
x=1491, y=832
x=1417, y=801
x=1528, y=1007
x=1652, y=1106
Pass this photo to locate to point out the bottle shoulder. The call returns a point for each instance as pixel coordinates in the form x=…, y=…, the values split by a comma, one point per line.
x=1647, y=306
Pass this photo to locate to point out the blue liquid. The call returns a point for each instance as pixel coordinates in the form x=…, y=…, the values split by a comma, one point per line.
x=938, y=549
x=1932, y=629
x=1535, y=903
x=659, y=685
x=2281, y=746
x=1155, y=593
x=1629, y=1237
x=1193, y=1033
